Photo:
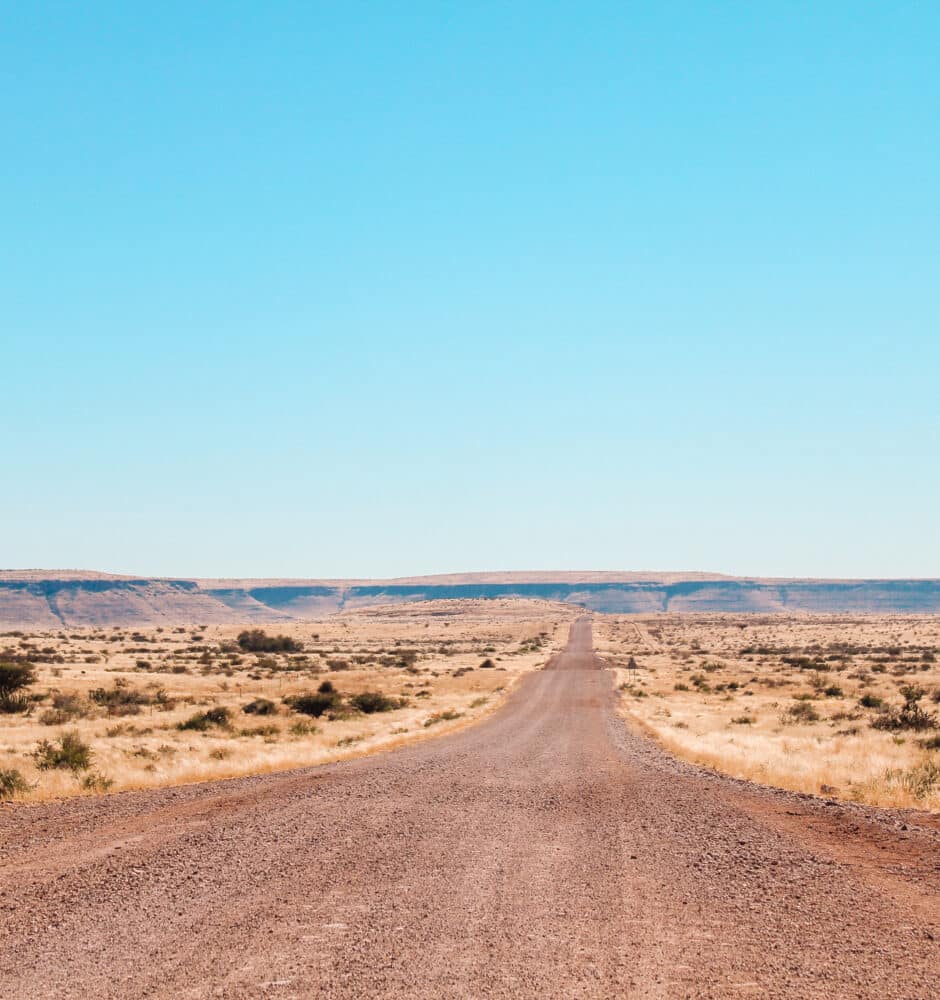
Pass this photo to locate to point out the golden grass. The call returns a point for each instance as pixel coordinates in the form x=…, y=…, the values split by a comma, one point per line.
x=449, y=639
x=735, y=712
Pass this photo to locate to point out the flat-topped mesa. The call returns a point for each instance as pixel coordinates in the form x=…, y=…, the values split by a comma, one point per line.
x=57, y=598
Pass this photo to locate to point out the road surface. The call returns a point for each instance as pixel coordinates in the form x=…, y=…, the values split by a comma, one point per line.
x=546, y=852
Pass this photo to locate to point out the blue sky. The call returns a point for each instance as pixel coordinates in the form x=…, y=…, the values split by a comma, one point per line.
x=375, y=289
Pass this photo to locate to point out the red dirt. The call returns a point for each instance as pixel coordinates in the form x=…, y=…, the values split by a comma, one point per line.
x=546, y=852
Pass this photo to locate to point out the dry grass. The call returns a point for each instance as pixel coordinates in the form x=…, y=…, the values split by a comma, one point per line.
x=787, y=700
x=126, y=691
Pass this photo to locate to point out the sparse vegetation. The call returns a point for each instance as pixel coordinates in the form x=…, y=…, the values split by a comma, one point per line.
x=68, y=752
x=175, y=704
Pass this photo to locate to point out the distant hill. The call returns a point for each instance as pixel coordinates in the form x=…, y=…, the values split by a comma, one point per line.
x=56, y=598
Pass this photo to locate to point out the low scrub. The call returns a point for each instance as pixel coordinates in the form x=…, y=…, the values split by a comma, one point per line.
x=256, y=640
x=446, y=716
x=374, y=701
x=14, y=679
x=314, y=705
x=919, y=781
x=218, y=717
x=260, y=706
x=12, y=783
x=800, y=711
x=122, y=699
x=69, y=752
x=910, y=715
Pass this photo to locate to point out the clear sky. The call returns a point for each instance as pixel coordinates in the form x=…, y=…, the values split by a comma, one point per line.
x=373, y=289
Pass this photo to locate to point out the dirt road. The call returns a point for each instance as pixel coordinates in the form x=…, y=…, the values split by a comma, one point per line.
x=547, y=852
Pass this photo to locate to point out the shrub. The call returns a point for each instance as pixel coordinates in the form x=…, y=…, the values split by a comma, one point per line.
x=120, y=699
x=743, y=720
x=445, y=716
x=65, y=707
x=920, y=780
x=260, y=706
x=258, y=641
x=12, y=783
x=95, y=782
x=68, y=752
x=315, y=704
x=326, y=688
x=268, y=730
x=800, y=711
x=14, y=677
x=871, y=701
x=302, y=728
x=487, y=664
x=202, y=721
x=910, y=715
x=374, y=701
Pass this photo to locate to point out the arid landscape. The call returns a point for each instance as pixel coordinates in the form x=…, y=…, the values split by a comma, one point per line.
x=838, y=706
x=157, y=706
x=550, y=848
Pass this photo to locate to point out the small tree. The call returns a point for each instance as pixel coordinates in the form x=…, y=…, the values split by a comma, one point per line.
x=14, y=677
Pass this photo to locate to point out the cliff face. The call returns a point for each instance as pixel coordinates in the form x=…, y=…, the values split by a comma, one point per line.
x=49, y=600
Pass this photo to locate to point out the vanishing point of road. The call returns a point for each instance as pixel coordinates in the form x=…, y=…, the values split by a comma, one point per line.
x=547, y=852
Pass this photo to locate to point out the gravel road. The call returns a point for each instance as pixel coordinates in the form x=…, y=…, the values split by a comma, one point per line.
x=546, y=852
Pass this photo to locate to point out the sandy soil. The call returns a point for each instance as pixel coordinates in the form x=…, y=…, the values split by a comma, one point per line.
x=547, y=851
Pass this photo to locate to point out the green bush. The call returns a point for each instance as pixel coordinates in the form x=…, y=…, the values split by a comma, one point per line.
x=315, y=704
x=910, y=715
x=260, y=706
x=871, y=701
x=95, y=782
x=373, y=701
x=202, y=721
x=14, y=678
x=69, y=752
x=122, y=699
x=12, y=783
x=256, y=640
x=800, y=711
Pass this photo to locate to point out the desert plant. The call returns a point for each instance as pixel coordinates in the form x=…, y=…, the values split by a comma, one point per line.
x=14, y=679
x=374, y=701
x=202, y=721
x=445, y=716
x=122, y=699
x=910, y=715
x=315, y=704
x=258, y=641
x=260, y=706
x=96, y=782
x=919, y=781
x=68, y=752
x=12, y=783
x=870, y=700
x=800, y=711
x=302, y=728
